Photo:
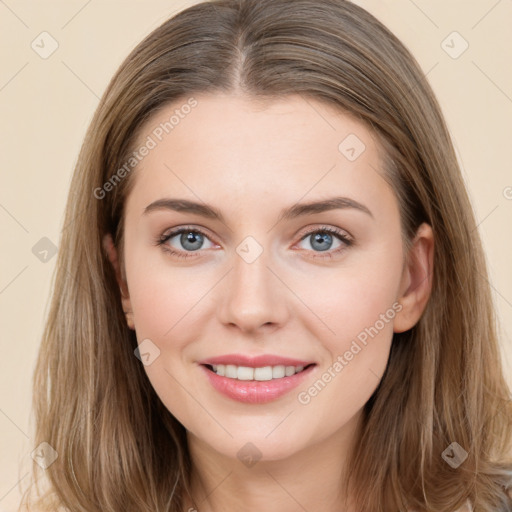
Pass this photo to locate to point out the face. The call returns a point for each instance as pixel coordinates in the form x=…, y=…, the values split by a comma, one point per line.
x=261, y=238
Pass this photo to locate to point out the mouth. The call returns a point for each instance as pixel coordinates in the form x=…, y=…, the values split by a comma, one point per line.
x=256, y=385
x=262, y=373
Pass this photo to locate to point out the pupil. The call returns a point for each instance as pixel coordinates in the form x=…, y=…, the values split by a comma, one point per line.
x=322, y=238
x=191, y=238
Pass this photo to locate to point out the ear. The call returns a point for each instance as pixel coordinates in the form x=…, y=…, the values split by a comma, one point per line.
x=110, y=249
x=416, y=282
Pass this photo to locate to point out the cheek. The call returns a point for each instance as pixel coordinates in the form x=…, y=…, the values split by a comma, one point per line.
x=353, y=298
x=357, y=306
x=164, y=298
x=167, y=307
x=164, y=295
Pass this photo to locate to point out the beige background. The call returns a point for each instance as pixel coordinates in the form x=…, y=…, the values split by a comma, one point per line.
x=46, y=105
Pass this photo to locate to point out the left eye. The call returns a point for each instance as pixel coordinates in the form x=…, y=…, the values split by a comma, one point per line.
x=322, y=240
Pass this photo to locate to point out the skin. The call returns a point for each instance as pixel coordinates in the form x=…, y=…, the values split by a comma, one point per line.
x=250, y=160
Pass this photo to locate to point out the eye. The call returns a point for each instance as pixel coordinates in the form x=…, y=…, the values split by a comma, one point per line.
x=322, y=239
x=184, y=240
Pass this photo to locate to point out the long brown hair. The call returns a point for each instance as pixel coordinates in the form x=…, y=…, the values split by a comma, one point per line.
x=118, y=447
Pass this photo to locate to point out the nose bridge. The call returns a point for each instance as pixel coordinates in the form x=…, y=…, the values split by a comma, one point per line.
x=252, y=295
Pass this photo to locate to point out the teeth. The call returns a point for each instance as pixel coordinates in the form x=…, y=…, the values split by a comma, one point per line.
x=263, y=373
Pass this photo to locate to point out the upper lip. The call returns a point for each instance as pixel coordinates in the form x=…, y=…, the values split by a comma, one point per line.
x=255, y=361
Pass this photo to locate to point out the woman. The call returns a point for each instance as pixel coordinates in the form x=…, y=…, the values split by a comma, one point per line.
x=270, y=290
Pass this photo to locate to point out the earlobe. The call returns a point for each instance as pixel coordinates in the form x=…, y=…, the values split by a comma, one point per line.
x=111, y=251
x=416, y=284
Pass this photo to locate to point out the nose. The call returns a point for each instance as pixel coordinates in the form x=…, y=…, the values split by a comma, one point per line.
x=252, y=296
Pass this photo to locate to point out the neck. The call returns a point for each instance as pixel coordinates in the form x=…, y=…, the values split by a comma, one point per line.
x=310, y=479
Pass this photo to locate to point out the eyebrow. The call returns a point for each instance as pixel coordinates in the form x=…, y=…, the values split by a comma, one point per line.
x=297, y=210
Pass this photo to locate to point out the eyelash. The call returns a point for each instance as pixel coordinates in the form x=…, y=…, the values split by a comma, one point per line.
x=161, y=241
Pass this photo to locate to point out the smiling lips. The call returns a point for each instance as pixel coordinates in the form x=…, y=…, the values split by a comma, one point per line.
x=255, y=380
x=262, y=373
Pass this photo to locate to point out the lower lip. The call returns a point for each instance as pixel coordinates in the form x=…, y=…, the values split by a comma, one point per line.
x=254, y=391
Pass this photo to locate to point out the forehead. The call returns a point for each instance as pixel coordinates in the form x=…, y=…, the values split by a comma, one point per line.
x=243, y=125
x=233, y=147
